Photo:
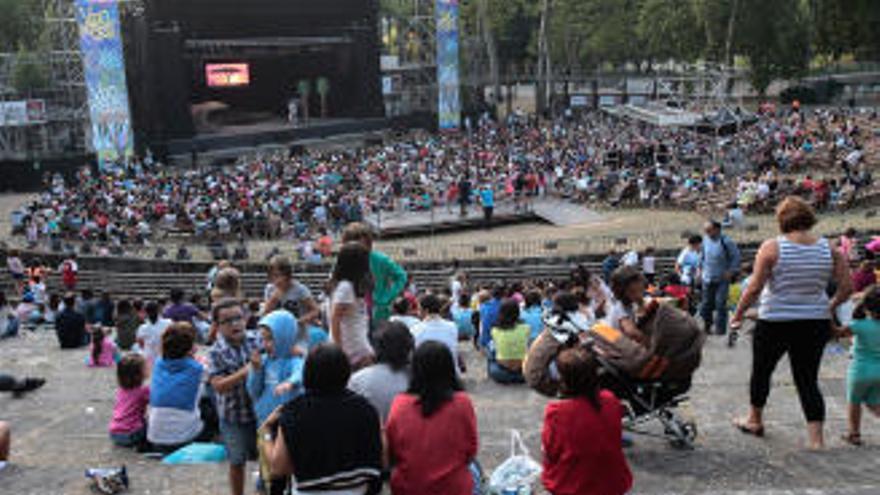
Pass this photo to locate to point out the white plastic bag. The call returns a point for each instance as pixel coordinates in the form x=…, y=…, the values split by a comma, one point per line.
x=518, y=474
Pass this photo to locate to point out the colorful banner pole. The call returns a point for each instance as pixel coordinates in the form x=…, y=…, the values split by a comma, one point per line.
x=448, y=98
x=100, y=40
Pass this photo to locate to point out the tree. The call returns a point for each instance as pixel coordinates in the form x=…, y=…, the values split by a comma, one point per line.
x=670, y=30
x=304, y=87
x=20, y=24
x=775, y=39
x=29, y=72
x=322, y=87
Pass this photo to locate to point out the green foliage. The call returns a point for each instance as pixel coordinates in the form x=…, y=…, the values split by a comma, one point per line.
x=775, y=39
x=20, y=23
x=670, y=30
x=29, y=73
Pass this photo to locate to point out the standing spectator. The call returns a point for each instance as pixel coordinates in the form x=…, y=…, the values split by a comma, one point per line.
x=383, y=381
x=329, y=438
x=69, y=272
x=229, y=362
x=349, y=323
x=863, y=377
x=791, y=275
x=464, y=194
x=432, y=429
x=70, y=325
x=487, y=199
x=104, y=310
x=389, y=278
x=38, y=290
x=581, y=436
x=687, y=265
x=16, y=270
x=720, y=263
x=848, y=245
x=458, y=284
x=285, y=292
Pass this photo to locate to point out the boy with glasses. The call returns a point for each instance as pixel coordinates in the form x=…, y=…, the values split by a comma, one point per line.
x=228, y=366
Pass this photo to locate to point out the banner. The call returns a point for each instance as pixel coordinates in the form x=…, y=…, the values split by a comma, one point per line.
x=100, y=41
x=22, y=112
x=448, y=98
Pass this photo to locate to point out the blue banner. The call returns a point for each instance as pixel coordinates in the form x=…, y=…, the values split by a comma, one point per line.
x=448, y=98
x=100, y=41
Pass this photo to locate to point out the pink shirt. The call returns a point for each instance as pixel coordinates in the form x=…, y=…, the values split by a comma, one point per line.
x=130, y=409
x=107, y=358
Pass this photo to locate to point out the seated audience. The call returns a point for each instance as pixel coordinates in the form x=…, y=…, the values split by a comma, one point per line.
x=382, y=382
x=510, y=342
x=581, y=439
x=432, y=429
x=70, y=325
x=128, y=427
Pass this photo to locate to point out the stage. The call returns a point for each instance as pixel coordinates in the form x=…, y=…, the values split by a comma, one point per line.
x=278, y=133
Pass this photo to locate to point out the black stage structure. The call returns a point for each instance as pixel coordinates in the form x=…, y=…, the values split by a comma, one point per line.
x=171, y=43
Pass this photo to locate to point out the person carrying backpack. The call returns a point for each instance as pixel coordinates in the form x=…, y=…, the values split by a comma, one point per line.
x=720, y=260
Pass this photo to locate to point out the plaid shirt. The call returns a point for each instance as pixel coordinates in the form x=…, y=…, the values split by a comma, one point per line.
x=223, y=360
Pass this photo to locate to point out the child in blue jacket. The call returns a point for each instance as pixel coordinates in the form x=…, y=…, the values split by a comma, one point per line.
x=275, y=378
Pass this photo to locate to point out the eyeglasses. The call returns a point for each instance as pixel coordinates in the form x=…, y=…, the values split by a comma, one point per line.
x=231, y=320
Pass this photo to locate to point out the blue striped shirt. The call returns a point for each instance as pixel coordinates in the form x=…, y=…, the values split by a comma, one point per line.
x=797, y=286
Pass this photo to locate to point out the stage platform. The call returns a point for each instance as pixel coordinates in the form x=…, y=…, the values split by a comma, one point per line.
x=279, y=133
x=552, y=211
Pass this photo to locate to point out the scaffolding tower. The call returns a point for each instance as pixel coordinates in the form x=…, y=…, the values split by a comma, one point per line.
x=409, y=58
x=64, y=130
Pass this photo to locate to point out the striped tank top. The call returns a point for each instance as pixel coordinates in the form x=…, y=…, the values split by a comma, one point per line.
x=797, y=286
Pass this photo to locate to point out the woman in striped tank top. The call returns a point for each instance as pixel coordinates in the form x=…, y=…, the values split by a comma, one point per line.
x=791, y=276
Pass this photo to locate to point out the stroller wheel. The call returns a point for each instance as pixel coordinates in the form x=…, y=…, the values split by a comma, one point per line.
x=681, y=434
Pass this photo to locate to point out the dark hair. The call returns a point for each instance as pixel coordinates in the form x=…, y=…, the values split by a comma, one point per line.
x=3, y=301
x=401, y=306
x=70, y=301
x=578, y=375
x=152, y=310
x=327, y=370
x=464, y=300
x=508, y=314
x=176, y=296
x=281, y=265
x=123, y=307
x=353, y=265
x=565, y=302
x=130, y=371
x=433, y=377
x=224, y=303
x=394, y=345
x=622, y=278
x=178, y=340
x=871, y=301
x=694, y=240
x=357, y=232
x=533, y=298
x=97, y=344
x=794, y=214
x=431, y=304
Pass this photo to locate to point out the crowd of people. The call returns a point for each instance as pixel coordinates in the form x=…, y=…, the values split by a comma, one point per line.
x=359, y=383
x=594, y=158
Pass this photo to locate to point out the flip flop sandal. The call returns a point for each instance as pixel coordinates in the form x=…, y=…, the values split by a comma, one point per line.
x=747, y=429
x=853, y=439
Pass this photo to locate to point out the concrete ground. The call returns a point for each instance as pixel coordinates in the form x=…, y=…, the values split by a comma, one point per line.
x=59, y=431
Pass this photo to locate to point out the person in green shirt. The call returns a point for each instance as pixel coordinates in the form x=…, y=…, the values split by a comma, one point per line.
x=389, y=278
x=510, y=343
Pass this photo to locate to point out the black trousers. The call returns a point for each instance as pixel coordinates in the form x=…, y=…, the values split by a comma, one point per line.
x=804, y=342
x=7, y=383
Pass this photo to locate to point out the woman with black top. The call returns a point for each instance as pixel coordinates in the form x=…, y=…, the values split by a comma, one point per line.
x=327, y=439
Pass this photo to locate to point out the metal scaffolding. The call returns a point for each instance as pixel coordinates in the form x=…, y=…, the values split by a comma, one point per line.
x=409, y=55
x=64, y=130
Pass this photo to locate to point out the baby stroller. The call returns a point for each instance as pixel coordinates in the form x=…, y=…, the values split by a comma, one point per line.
x=648, y=400
x=650, y=378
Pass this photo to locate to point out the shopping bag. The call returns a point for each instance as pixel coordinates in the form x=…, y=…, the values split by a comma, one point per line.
x=518, y=474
